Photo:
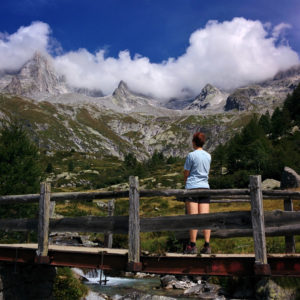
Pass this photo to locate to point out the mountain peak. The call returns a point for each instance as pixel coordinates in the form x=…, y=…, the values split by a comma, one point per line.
x=37, y=77
x=209, y=96
x=122, y=84
x=122, y=90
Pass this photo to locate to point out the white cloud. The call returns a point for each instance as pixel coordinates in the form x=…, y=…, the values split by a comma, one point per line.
x=279, y=29
x=17, y=48
x=228, y=54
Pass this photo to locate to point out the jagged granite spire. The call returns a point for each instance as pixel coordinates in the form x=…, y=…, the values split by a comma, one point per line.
x=37, y=77
x=209, y=97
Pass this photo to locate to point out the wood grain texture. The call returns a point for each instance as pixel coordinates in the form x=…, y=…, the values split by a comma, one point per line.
x=237, y=222
x=258, y=223
x=43, y=221
x=134, y=221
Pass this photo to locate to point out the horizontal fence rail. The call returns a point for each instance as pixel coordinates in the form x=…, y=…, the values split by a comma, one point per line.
x=234, y=194
x=256, y=223
x=240, y=221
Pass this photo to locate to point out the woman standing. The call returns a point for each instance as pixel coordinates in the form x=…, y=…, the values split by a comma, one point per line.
x=196, y=170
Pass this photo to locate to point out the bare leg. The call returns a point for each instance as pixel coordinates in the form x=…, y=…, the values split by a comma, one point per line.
x=204, y=209
x=192, y=209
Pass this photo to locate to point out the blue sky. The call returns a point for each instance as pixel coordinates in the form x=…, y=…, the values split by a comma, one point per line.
x=262, y=36
x=158, y=29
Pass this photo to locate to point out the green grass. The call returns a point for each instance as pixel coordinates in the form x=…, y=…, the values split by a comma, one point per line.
x=67, y=286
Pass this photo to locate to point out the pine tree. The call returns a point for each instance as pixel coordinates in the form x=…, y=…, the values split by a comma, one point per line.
x=19, y=165
x=292, y=105
x=265, y=122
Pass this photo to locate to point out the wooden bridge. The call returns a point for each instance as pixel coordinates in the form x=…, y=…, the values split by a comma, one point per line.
x=256, y=223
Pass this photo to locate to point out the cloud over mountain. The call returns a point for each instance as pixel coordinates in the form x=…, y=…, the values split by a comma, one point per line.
x=228, y=55
x=19, y=47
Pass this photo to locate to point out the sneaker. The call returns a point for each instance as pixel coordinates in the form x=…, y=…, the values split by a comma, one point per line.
x=205, y=250
x=190, y=250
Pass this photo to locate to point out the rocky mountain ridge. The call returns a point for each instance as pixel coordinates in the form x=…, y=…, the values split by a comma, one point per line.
x=38, y=80
x=59, y=117
x=94, y=129
x=210, y=97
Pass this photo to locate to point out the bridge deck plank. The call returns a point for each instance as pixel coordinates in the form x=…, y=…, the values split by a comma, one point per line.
x=72, y=249
x=168, y=263
x=97, y=250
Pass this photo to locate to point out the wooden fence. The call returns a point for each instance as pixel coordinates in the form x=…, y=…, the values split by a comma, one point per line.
x=256, y=222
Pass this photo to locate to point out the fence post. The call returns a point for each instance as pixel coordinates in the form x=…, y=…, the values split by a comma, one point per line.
x=134, y=263
x=108, y=238
x=258, y=225
x=289, y=239
x=43, y=224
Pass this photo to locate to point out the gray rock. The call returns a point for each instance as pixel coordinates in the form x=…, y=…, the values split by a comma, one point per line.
x=171, y=282
x=240, y=99
x=194, y=290
x=209, y=98
x=167, y=281
x=204, y=291
x=270, y=184
x=139, y=296
x=101, y=204
x=289, y=179
x=37, y=79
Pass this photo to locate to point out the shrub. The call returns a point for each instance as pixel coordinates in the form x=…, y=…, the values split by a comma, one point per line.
x=67, y=286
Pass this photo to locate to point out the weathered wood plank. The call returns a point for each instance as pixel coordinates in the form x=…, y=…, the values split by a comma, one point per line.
x=281, y=193
x=281, y=218
x=74, y=196
x=228, y=220
x=43, y=222
x=22, y=199
x=89, y=196
x=134, y=221
x=19, y=224
x=108, y=238
x=119, y=224
x=258, y=224
x=116, y=224
x=231, y=233
x=194, y=192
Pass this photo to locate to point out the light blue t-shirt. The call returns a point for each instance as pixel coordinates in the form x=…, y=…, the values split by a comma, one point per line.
x=198, y=163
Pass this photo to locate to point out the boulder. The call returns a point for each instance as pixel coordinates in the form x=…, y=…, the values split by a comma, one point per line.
x=171, y=282
x=270, y=184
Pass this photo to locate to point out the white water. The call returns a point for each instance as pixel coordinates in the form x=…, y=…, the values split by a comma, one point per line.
x=121, y=286
x=93, y=277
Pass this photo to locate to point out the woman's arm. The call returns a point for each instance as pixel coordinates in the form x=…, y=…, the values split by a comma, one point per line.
x=186, y=174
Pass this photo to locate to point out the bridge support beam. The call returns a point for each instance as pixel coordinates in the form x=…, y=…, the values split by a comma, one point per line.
x=258, y=225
